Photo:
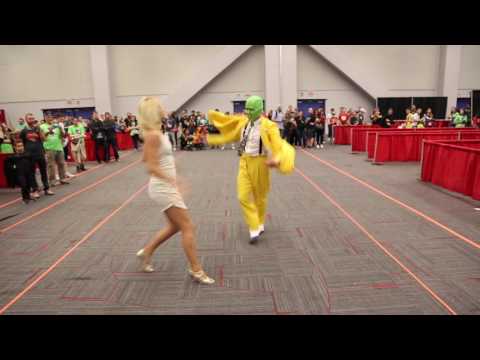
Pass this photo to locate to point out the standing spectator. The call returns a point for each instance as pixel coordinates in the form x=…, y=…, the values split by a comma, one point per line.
x=361, y=116
x=133, y=129
x=331, y=119
x=277, y=118
x=21, y=124
x=77, y=136
x=32, y=138
x=353, y=117
x=320, y=127
x=409, y=120
x=310, y=128
x=300, y=135
x=291, y=129
x=421, y=120
x=6, y=135
x=53, y=144
x=98, y=135
x=176, y=125
x=111, y=137
x=428, y=118
x=169, y=126
x=343, y=117
x=23, y=167
x=388, y=120
x=460, y=120
x=476, y=121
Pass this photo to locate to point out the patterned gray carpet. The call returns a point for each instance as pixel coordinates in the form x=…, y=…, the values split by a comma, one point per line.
x=312, y=259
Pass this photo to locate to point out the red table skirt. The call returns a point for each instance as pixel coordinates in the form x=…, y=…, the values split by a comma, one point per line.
x=124, y=142
x=372, y=137
x=359, y=136
x=343, y=134
x=3, y=179
x=408, y=146
x=453, y=165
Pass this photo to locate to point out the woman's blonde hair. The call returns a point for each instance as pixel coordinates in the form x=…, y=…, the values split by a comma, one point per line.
x=150, y=114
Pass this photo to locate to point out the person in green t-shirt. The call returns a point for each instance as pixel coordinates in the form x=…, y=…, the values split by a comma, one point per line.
x=77, y=138
x=460, y=119
x=53, y=145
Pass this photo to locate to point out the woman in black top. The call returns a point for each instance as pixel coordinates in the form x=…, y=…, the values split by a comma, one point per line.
x=300, y=135
x=388, y=120
x=310, y=127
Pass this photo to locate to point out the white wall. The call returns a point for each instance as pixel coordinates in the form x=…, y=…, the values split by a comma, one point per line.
x=246, y=76
x=43, y=76
x=411, y=70
x=317, y=79
x=470, y=68
x=155, y=69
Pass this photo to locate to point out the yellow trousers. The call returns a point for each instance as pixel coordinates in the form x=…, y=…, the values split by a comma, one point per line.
x=253, y=185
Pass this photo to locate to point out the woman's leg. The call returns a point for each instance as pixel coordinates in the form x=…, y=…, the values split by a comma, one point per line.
x=180, y=218
x=159, y=238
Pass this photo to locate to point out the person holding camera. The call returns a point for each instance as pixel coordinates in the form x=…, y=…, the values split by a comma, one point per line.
x=32, y=138
x=53, y=144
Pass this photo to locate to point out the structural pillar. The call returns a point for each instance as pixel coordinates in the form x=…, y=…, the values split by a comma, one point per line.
x=288, y=76
x=102, y=88
x=450, y=62
x=272, y=77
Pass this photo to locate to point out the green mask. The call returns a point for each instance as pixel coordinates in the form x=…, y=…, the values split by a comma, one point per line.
x=254, y=107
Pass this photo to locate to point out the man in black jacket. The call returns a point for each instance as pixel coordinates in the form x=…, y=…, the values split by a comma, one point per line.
x=32, y=139
x=111, y=137
x=98, y=134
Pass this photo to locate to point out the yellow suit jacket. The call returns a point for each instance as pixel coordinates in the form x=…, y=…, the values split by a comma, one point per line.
x=231, y=126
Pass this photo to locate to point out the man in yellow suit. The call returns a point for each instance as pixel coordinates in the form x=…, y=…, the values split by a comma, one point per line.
x=261, y=148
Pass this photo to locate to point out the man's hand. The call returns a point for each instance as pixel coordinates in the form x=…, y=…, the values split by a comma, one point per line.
x=272, y=163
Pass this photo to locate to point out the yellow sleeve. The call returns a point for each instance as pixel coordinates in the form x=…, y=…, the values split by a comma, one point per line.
x=230, y=127
x=282, y=151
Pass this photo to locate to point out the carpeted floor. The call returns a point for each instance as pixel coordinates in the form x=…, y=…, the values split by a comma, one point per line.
x=331, y=246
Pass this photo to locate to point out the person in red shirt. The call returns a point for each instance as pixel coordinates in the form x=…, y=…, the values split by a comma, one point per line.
x=343, y=117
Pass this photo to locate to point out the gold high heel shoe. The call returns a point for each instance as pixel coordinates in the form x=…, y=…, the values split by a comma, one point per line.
x=201, y=277
x=148, y=268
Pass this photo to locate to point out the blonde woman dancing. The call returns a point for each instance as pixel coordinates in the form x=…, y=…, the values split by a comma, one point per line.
x=163, y=188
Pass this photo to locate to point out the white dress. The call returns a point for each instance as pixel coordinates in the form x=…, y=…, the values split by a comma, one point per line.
x=164, y=193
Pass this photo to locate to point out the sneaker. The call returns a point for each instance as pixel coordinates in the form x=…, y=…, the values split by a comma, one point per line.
x=49, y=192
x=321, y=146
x=68, y=175
x=233, y=147
x=35, y=195
x=63, y=182
x=318, y=146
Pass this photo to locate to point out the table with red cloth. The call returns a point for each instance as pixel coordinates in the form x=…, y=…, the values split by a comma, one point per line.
x=453, y=165
x=343, y=133
x=359, y=136
x=407, y=146
x=372, y=136
x=124, y=142
x=3, y=179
